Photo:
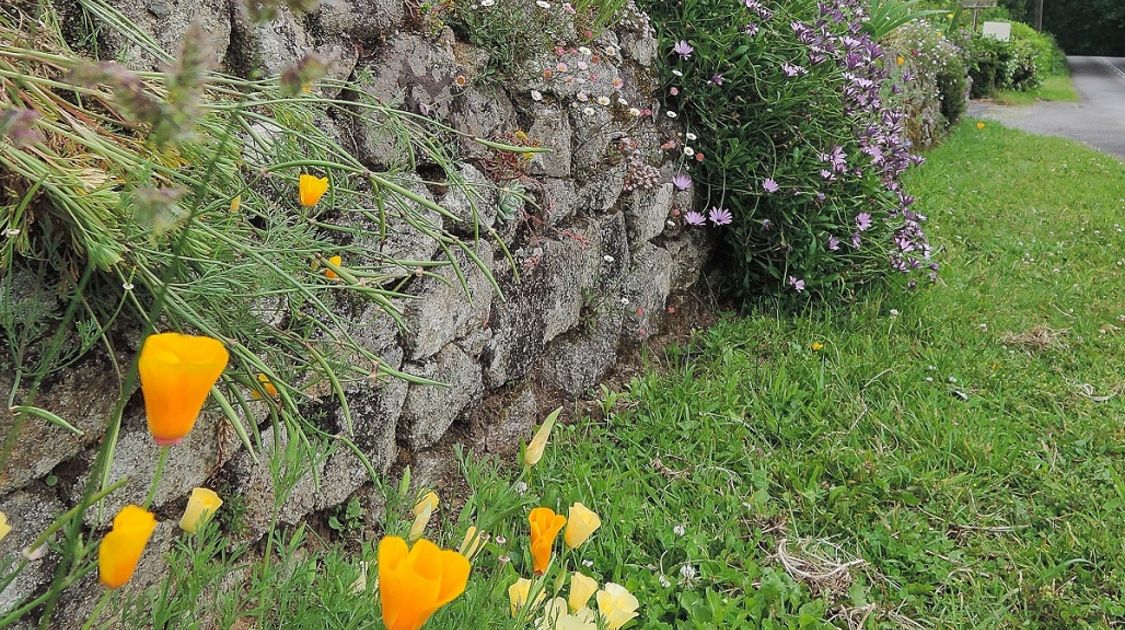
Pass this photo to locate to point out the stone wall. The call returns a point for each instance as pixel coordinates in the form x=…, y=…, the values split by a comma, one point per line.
x=593, y=263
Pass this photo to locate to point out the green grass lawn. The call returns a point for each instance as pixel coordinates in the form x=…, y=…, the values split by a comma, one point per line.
x=1056, y=87
x=953, y=458
x=958, y=450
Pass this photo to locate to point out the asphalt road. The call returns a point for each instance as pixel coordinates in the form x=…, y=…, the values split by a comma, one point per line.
x=1098, y=119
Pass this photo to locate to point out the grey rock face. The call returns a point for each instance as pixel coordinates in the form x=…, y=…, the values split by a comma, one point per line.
x=504, y=419
x=269, y=48
x=552, y=130
x=196, y=458
x=551, y=295
x=42, y=446
x=167, y=21
x=578, y=360
x=647, y=212
x=690, y=252
x=603, y=191
x=483, y=112
x=472, y=199
x=647, y=289
x=29, y=513
x=359, y=19
x=409, y=231
x=431, y=409
x=293, y=494
x=443, y=309
x=559, y=200
x=375, y=409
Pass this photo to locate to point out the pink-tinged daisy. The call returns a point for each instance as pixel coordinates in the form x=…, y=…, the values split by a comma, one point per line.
x=682, y=181
x=797, y=284
x=694, y=218
x=770, y=186
x=833, y=243
x=720, y=216
x=683, y=49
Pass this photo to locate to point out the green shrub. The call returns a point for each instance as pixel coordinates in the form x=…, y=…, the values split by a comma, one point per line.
x=997, y=65
x=801, y=147
x=1049, y=58
x=953, y=84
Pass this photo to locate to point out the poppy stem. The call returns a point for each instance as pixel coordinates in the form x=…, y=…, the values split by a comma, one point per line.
x=157, y=475
x=102, y=601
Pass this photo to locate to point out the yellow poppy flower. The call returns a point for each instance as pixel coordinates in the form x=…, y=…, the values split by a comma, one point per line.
x=900, y=60
x=518, y=593
x=534, y=451
x=311, y=188
x=201, y=506
x=582, y=588
x=617, y=605
x=267, y=385
x=472, y=542
x=421, y=520
x=545, y=526
x=4, y=526
x=429, y=499
x=980, y=125
x=328, y=272
x=580, y=525
x=122, y=547
x=414, y=582
x=177, y=372
x=816, y=346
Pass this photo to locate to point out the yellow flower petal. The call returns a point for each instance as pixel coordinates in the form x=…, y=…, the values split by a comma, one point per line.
x=582, y=588
x=430, y=499
x=617, y=605
x=329, y=272
x=581, y=523
x=201, y=506
x=538, y=444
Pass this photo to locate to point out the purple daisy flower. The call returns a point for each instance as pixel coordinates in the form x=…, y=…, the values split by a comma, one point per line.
x=694, y=218
x=833, y=243
x=767, y=225
x=863, y=221
x=856, y=240
x=750, y=29
x=682, y=181
x=720, y=216
x=797, y=284
x=717, y=79
x=770, y=186
x=683, y=49
x=791, y=70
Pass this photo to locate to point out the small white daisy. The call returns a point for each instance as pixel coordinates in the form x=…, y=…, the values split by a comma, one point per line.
x=671, y=114
x=589, y=111
x=536, y=95
x=688, y=151
x=603, y=101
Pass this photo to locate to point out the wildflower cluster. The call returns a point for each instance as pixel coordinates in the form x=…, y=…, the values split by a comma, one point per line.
x=930, y=80
x=803, y=148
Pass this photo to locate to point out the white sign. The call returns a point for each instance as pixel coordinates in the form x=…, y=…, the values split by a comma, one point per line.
x=997, y=30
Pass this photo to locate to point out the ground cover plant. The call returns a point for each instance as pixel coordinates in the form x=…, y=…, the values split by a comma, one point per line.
x=817, y=207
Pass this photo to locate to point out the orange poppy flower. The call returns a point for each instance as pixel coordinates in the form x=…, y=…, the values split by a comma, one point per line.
x=311, y=188
x=545, y=527
x=122, y=547
x=415, y=582
x=177, y=372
